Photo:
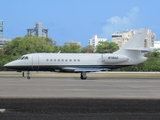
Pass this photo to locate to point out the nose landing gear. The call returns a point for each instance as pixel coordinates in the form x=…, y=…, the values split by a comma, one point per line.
x=28, y=77
x=28, y=73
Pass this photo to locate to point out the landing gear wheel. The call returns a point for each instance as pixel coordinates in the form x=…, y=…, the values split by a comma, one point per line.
x=28, y=77
x=83, y=75
x=22, y=74
x=83, y=78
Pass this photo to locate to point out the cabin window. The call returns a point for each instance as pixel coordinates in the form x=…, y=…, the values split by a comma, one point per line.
x=78, y=60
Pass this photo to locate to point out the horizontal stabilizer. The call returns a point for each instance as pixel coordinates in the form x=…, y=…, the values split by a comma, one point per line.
x=155, y=48
x=141, y=49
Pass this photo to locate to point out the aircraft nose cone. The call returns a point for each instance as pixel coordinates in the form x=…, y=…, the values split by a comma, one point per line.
x=6, y=65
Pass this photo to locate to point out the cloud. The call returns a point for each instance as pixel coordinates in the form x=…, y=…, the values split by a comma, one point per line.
x=117, y=23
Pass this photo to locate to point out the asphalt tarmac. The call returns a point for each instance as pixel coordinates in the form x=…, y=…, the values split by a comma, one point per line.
x=79, y=109
x=72, y=98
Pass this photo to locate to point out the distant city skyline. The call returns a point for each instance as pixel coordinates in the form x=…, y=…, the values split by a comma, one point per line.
x=79, y=20
x=39, y=30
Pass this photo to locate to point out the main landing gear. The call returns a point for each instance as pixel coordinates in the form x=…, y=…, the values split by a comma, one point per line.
x=83, y=75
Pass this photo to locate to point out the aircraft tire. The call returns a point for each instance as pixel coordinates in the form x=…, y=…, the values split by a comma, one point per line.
x=83, y=78
x=28, y=77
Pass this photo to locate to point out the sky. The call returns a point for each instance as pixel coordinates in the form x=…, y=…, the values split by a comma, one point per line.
x=79, y=20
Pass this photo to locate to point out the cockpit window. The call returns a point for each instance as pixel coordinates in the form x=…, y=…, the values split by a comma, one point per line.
x=23, y=58
x=26, y=58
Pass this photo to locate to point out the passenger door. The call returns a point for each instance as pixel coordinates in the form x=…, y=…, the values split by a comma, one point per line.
x=35, y=62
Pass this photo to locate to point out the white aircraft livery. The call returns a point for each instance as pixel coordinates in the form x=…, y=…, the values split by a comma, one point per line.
x=129, y=54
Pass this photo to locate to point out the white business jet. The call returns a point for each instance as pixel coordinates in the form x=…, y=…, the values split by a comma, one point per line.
x=129, y=54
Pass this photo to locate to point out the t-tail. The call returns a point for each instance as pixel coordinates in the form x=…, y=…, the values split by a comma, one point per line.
x=135, y=46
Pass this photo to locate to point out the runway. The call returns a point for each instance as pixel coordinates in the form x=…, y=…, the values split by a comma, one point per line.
x=123, y=88
x=71, y=98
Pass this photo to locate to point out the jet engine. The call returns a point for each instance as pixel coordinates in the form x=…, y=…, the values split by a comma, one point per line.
x=111, y=58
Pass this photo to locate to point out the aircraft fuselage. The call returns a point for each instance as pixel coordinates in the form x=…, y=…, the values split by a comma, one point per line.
x=69, y=62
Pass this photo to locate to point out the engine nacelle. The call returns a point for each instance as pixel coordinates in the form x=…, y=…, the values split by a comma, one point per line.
x=111, y=58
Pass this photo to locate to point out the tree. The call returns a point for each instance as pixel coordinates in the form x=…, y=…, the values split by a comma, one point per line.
x=23, y=45
x=106, y=47
x=27, y=44
x=49, y=41
x=70, y=48
x=87, y=49
x=113, y=47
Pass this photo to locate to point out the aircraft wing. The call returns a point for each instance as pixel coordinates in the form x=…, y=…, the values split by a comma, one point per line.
x=85, y=69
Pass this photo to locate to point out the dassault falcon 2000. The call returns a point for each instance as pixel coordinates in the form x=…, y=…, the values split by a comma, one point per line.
x=129, y=54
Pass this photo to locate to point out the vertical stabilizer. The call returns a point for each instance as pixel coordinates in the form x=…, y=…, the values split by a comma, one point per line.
x=135, y=44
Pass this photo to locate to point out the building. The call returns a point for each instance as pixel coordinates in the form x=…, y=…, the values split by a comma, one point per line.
x=150, y=38
x=3, y=41
x=1, y=28
x=121, y=38
x=72, y=42
x=38, y=30
x=157, y=44
x=94, y=41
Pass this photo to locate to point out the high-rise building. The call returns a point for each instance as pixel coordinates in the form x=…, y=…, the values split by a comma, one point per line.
x=157, y=44
x=94, y=41
x=121, y=38
x=1, y=28
x=2, y=40
x=38, y=30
